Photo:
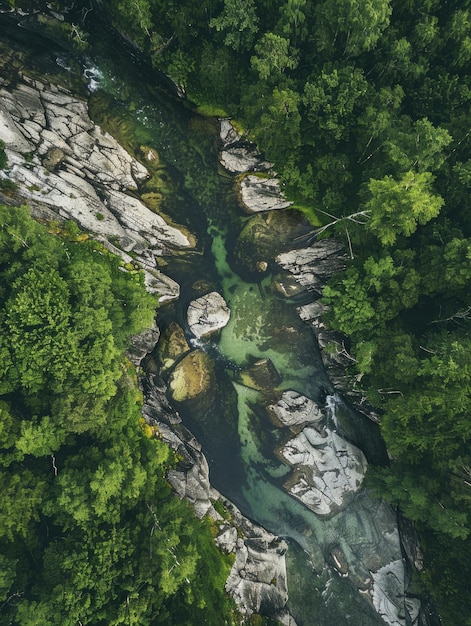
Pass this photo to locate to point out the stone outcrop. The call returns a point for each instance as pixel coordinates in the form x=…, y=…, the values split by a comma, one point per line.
x=388, y=585
x=67, y=167
x=240, y=156
x=262, y=194
x=257, y=580
x=328, y=470
x=208, y=314
x=237, y=154
x=313, y=266
x=143, y=344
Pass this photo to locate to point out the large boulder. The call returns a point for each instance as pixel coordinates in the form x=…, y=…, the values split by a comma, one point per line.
x=328, y=470
x=239, y=155
x=208, y=314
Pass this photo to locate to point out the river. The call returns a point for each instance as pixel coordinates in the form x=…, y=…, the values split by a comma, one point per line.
x=133, y=102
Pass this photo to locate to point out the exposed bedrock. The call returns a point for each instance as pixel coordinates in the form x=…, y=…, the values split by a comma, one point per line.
x=67, y=168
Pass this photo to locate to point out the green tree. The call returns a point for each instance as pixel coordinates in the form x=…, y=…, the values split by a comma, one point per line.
x=273, y=56
x=239, y=22
x=350, y=27
x=397, y=207
x=331, y=98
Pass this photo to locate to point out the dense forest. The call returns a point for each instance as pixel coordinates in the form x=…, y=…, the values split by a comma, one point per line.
x=364, y=109
x=90, y=530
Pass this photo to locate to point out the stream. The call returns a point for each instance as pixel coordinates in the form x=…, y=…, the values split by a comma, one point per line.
x=137, y=105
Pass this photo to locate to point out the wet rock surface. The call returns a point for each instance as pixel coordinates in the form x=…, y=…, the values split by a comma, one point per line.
x=261, y=374
x=172, y=346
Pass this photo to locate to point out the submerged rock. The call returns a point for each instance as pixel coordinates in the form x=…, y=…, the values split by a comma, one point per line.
x=294, y=409
x=261, y=374
x=262, y=237
x=328, y=470
x=193, y=378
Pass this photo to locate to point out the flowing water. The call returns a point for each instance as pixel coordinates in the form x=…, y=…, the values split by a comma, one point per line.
x=132, y=101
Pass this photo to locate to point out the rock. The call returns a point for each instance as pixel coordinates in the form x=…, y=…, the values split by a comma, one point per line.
x=294, y=409
x=208, y=314
x=328, y=470
x=262, y=194
x=172, y=346
x=388, y=588
x=143, y=344
x=193, y=484
x=226, y=540
x=53, y=158
x=313, y=312
x=261, y=374
x=287, y=286
x=239, y=160
x=257, y=581
x=228, y=133
x=313, y=266
x=238, y=155
x=193, y=378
